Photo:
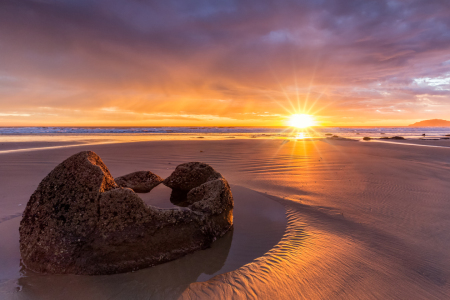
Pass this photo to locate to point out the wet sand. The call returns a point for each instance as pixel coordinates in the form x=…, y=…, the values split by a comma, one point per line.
x=439, y=142
x=364, y=220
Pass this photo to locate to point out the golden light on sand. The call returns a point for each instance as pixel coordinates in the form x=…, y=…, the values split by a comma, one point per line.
x=301, y=121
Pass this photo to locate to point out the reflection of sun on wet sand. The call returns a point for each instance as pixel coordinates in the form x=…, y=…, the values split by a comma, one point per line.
x=364, y=220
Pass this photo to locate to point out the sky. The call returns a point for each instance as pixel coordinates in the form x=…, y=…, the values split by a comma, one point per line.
x=223, y=63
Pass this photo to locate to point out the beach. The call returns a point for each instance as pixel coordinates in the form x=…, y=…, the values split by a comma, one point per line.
x=318, y=219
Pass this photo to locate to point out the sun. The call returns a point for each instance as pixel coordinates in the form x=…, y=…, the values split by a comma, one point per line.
x=301, y=121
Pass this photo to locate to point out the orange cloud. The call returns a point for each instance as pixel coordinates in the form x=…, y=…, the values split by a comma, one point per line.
x=249, y=63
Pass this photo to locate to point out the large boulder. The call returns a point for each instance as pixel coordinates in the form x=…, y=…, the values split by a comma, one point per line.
x=140, y=182
x=79, y=221
x=62, y=213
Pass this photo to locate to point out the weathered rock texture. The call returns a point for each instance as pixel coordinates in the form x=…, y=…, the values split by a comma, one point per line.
x=140, y=182
x=191, y=175
x=79, y=221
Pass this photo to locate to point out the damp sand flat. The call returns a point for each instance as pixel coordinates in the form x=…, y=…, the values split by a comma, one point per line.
x=365, y=220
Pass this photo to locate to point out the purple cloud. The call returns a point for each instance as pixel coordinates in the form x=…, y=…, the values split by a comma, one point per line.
x=361, y=55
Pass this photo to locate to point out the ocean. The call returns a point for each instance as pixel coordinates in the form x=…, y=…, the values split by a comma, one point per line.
x=227, y=132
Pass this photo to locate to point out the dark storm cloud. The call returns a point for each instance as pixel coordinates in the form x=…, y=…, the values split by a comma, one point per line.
x=229, y=49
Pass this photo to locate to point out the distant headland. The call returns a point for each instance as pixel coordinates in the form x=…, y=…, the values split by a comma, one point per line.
x=432, y=123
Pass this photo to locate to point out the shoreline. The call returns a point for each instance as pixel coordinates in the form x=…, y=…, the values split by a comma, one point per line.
x=13, y=145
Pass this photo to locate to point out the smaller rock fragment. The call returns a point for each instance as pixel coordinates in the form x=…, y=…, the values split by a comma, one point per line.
x=139, y=182
x=191, y=175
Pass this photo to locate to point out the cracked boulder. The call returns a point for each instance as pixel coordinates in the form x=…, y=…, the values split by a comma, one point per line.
x=140, y=182
x=79, y=221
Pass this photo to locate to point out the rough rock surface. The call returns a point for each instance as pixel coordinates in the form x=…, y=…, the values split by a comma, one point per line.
x=78, y=221
x=191, y=175
x=140, y=182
